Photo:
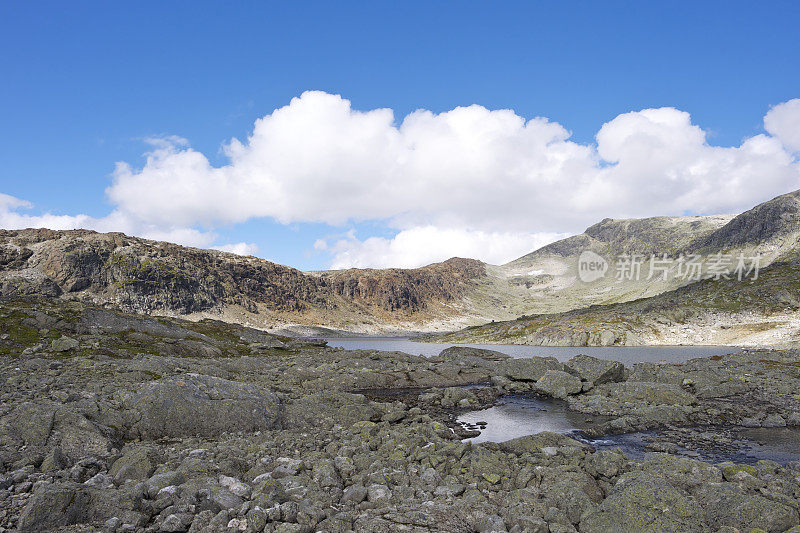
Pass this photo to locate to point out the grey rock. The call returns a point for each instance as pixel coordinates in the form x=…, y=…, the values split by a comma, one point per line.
x=354, y=494
x=598, y=371
x=377, y=493
x=176, y=523
x=326, y=409
x=681, y=472
x=54, y=460
x=529, y=369
x=225, y=499
x=540, y=441
x=138, y=462
x=63, y=504
x=559, y=384
x=727, y=505
x=64, y=344
x=646, y=392
x=194, y=404
x=642, y=502
x=287, y=467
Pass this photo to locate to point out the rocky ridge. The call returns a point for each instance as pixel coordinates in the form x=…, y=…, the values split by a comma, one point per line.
x=759, y=312
x=543, y=287
x=142, y=276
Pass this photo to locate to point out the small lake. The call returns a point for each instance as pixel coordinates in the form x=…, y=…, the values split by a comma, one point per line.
x=517, y=415
x=520, y=415
x=627, y=355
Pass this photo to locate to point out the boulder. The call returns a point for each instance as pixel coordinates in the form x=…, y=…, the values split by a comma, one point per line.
x=476, y=356
x=57, y=505
x=326, y=409
x=559, y=384
x=726, y=504
x=54, y=460
x=194, y=404
x=681, y=472
x=646, y=392
x=138, y=462
x=538, y=442
x=30, y=423
x=64, y=344
x=529, y=369
x=81, y=438
x=643, y=502
x=598, y=371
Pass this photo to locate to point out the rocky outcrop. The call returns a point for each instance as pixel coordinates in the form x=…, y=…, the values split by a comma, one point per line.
x=406, y=290
x=642, y=502
x=776, y=219
x=597, y=371
x=157, y=277
x=196, y=405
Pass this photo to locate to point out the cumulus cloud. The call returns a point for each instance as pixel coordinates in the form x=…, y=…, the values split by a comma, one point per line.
x=428, y=244
x=239, y=248
x=319, y=160
x=783, y=122
x=470, y=181
x=12, y=216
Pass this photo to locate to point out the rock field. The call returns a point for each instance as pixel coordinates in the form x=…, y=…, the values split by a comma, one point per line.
x=117, y=422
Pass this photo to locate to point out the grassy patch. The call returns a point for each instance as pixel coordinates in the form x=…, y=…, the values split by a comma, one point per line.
x=20, y=335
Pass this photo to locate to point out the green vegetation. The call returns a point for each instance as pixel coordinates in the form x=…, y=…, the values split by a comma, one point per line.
x=20, y=335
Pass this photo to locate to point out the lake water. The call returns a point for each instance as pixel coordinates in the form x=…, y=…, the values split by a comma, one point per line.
x=626, y=355
x=519, y=415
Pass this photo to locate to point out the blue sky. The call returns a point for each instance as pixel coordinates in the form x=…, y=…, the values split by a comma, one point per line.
x=85, y=83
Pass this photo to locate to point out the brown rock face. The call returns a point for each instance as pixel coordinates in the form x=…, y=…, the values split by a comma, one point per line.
x=397, y=289
x=147, y=276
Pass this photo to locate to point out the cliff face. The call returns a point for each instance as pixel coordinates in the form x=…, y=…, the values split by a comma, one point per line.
x=778, y=218
x=146, y=277
x=407, y=289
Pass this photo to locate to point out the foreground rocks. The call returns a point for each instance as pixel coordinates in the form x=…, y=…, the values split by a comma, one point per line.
x=138, y=424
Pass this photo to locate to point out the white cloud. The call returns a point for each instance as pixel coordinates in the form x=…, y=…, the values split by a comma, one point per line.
x=427, y=244
x=481, y=175
x=239, y=248
x=783, y=122
x=318, y=160
x=11, y=217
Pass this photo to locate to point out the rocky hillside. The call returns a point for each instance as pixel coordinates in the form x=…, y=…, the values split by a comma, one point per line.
x=150, y=277
x=777, y=219
x=668, y=310
x=655, y=235
x=157, y=277
x=760, y=312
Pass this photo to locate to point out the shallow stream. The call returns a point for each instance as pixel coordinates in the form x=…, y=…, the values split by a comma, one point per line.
x=520, y=415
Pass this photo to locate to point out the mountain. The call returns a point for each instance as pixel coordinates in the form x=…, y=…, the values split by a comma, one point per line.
x=760, y=312
x=776, y=221
x=757, y=312
x=150, y=277
x=543, y=287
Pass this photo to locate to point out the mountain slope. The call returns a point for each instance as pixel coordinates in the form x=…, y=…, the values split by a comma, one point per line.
x=775, y=220
x=760, y=312
x=156, y=277
x=764, y=311
x=151, y=277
